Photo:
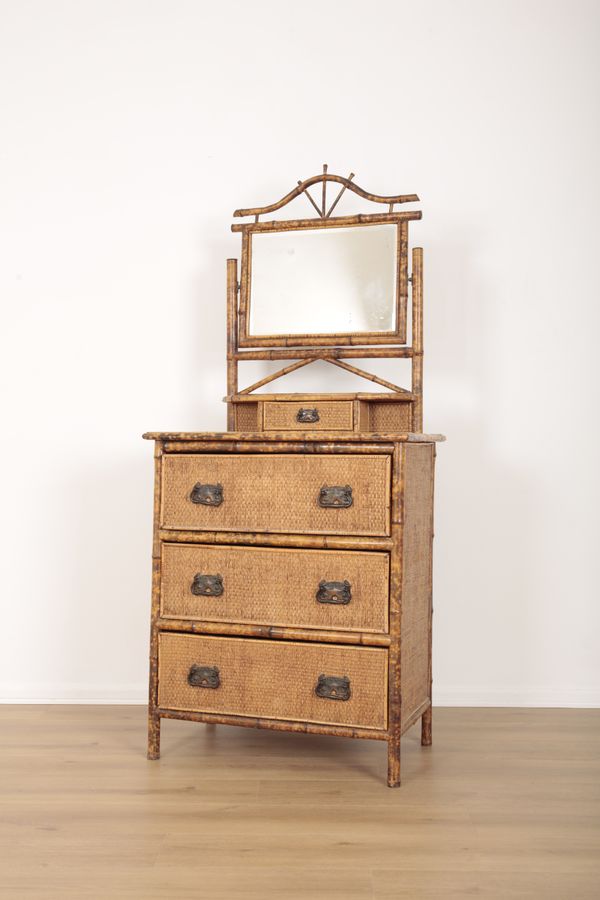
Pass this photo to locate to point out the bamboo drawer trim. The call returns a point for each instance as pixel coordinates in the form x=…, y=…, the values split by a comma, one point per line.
x=272, y=679
x=238, y=629
x=273, y=724
x=314, y=541
x=275, y=493
x=277, y=587
x=285, y=416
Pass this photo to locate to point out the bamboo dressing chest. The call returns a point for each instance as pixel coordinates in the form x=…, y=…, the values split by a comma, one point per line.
x=292, y=553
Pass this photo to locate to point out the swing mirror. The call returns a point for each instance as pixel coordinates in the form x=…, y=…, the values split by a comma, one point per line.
x=319, y=282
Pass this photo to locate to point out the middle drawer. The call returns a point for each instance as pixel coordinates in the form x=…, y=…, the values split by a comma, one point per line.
x=339, y=590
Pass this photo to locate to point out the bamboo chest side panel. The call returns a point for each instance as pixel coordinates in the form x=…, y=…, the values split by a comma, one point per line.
x=415, y=628
x=323, y=415
x=277, y=493
x=276, y=587
x=273, y=679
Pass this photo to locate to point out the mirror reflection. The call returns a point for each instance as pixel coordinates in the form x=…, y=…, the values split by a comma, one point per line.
x=323, y=281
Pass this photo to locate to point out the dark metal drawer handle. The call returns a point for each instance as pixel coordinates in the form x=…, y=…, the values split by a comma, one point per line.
x=307, y=415
x=337, y=496
x=207, y=585
x=207, y=494
x=333, y=687
x=337, y=592
x=204, y=676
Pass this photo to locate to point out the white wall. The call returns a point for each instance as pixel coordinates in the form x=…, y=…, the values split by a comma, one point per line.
x=132, y=130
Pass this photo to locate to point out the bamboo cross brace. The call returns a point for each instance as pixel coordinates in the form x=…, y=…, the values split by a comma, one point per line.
x=362, y=374
x=274, y=375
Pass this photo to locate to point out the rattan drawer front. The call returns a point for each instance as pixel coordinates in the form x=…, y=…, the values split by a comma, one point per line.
x=273, y=679
x=326, y=415
x=304, y=588
x=275, y=493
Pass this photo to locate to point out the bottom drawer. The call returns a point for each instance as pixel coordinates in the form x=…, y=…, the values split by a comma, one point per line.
x=321, y=683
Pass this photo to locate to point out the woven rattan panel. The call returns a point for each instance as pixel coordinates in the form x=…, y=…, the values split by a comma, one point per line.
x=277, y=493
x=276, y=587
x=246, y=417
x=416, y=575
x=334, y=415
x=274, y=679
x=390, y=417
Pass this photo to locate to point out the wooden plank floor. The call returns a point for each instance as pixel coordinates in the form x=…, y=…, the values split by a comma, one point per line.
x=505, y=804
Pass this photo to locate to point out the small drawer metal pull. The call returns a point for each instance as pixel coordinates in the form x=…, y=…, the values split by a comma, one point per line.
x=339, y=593
x=204, y=677
x=207, y=585
x=333, y=687
x=307, y=415
x=336, y=496
x=207, y=494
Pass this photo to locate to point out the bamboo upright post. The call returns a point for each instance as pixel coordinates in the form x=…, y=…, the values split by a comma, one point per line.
x=153, y=716
x=417, y=337
x=394, y=660
x=232, y=334
x=426, y=720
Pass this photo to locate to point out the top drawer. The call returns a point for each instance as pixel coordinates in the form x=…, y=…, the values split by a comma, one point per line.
x=277, y=493
x=326, y=415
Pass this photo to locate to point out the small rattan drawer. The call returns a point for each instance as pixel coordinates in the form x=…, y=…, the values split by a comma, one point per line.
x=343, y=590
x=319, y=683
x=326, y=415
x=287, y=494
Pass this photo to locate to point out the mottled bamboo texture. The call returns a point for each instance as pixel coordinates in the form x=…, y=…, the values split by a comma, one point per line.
x=153, y=717
x=311, y=442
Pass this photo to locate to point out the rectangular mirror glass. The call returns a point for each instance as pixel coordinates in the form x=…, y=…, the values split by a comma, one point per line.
x=324, y=281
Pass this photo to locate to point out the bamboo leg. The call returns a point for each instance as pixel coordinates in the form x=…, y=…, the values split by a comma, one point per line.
x=394, y=762
x=153, y=718
x=153, y=736
x=426, y=728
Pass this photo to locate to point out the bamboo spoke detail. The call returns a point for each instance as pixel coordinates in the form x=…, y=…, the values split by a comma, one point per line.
x=324, y=177
x=339, y=196
x=311, y=200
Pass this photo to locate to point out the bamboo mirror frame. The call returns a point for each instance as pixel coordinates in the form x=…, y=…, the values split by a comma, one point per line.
x=297, y=338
